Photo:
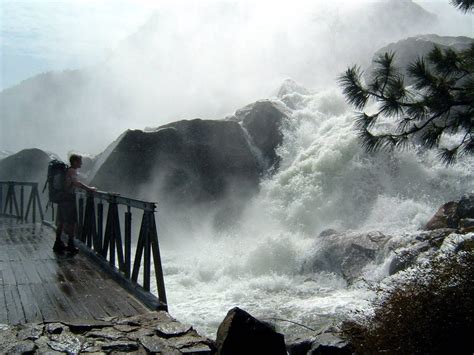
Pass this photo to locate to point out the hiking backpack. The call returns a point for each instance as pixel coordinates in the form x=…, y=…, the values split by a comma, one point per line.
x=56, y=181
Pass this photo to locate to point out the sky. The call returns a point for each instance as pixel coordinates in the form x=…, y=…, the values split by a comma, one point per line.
x=43, y=35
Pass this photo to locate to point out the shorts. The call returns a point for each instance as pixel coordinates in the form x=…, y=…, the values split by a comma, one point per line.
x=67, y=211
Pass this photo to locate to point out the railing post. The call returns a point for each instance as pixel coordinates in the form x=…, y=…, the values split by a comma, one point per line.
x=100, y=227
x=40, y=208
x=147, y=259
x=160, y=281
x=1, y=198
x=80, y=223
x=128, y=241
x=22, y=202
x=34, y=207
x=11, y=193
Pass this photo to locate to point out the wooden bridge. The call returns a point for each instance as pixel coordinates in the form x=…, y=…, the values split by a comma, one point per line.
x=111, y=276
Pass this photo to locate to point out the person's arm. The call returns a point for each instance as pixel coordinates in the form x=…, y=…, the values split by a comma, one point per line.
x=76, y=183
x=83, y=186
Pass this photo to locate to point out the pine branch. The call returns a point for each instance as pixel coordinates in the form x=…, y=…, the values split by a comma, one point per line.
x=353, y=90
x=463, y=5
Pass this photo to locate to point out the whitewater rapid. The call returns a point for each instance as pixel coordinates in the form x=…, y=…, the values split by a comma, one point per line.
x=325, y=181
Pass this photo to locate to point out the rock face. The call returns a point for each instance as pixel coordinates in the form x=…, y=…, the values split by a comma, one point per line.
x=194, y=161
x=30, y=165
x=262, y=122
x=190, y=161
x=408, y=50
x=345, y=254
x=454, y=214
x=240, y=333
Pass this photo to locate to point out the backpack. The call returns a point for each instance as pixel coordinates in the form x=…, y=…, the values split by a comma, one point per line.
x=56, y=181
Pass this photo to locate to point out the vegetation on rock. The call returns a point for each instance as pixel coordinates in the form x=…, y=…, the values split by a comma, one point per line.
x=431, y=313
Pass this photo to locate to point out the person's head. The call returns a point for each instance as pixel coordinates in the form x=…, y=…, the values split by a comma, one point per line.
x=75, y=160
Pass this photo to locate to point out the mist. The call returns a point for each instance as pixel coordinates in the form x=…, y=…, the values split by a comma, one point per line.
x=188, y=59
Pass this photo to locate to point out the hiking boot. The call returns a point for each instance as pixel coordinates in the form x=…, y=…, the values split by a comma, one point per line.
x=59, y=247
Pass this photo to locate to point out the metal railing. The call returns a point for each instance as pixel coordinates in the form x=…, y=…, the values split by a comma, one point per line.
x=12, y=200
x=106, y=243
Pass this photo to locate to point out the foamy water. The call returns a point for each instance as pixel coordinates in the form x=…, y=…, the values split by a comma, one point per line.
x=325, y=181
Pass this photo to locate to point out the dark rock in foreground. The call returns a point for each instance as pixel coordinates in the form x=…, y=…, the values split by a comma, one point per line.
x=138, y=334
x=240, y=333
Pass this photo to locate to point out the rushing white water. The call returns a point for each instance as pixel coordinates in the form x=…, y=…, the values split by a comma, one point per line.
x=325, y=181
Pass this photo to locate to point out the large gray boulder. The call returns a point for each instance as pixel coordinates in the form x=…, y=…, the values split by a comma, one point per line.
x=195, y=161
x=185, y=161
x=241, y=334
x=346, y=254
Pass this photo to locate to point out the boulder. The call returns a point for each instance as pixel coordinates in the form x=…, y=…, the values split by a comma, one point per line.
x=330, y=344
x=184, y=162
x=30, y=165
x=262, y=122
x=240, y=333
x=345, y=254
x=452, y=213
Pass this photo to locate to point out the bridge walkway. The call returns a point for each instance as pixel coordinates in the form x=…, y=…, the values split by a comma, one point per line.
x=36, y=285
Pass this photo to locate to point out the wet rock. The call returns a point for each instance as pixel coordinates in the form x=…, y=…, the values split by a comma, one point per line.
x=346, y=254
x=120, y=345
x=466, y=225
x=23, y=347
x=55, y=328
x=109, y=333
x=240, y=333
x=263, y=120
x=466, y=206
x=172, y=329
x=7, y=337
x=44, y=348
x=328, y=344
x=30, y=332
x=201, y=349
x=125, y=328
x=445, y=217
x=153, y=344
x=327, y=232
x=451, y=213
x=186, y=341
x=66, y=342
x=141, y=332
x=299, y=347
x=92, y=346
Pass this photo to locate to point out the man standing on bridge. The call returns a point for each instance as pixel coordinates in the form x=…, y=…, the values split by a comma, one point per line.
x=67, y=210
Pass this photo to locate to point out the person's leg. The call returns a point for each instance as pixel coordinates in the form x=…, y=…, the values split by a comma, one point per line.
x=70, y=234
x=58, y=243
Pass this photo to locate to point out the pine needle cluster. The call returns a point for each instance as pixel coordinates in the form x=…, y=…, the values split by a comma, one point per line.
x=439, y=103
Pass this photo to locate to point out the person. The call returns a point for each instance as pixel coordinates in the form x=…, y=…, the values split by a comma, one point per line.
x=67, y=211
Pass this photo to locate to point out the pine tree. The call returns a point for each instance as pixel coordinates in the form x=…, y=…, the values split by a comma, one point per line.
x=439, y=104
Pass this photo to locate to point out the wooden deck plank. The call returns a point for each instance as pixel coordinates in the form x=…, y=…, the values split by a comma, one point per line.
x=30, y=307
x=3, y=305
x=13, y=303
x=38, y=285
